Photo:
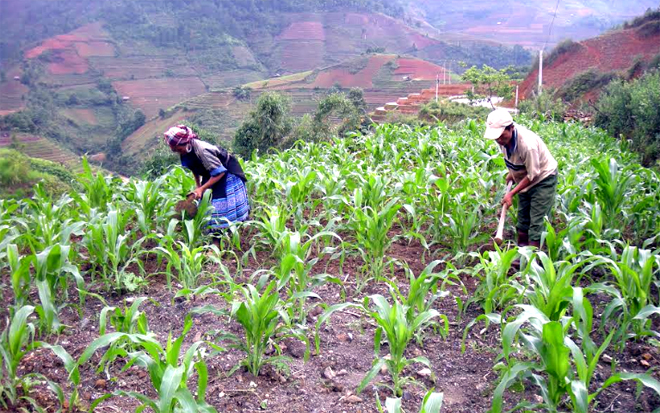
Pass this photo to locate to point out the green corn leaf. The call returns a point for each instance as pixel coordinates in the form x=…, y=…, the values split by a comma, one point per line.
x=168, y=387
x=579, y=397
x=432, y=402
x=371, y=374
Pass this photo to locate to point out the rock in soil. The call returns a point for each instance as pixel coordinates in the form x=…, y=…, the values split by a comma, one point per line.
x=296, y=348
x=353, y=399
x=328, y=373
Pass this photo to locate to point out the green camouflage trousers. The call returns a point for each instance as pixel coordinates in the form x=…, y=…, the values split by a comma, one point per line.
x=534, y=205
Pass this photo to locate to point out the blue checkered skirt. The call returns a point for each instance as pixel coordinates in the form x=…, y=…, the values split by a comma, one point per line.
x=234, y=207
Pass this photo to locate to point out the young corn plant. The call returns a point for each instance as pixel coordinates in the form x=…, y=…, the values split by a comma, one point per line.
x=496, y=289
x=298, y=193
x=432, y=403
x=111, y=250
x=631, y=307
x=45, y=223
x=264, y=321
x=52, y=272
x=294, y=271
x=187, y=262
x=21, y=279
x=550, y=285
x=98, y=190
x=613, y=186
x=393, y=322
x=16, y=340
x=169, y=371
x=550, y=370
x=146, y=198
x=423, y=292
x=130, y=320
x=464, y=228
x=371, y=229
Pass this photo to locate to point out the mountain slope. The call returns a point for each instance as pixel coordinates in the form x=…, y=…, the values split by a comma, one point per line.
x=615, y=51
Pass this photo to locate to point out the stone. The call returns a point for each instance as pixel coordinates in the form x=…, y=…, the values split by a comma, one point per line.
x=353, y=399
x=100, y=384
x=425, y=372
x=343, y=337
x=328, y=373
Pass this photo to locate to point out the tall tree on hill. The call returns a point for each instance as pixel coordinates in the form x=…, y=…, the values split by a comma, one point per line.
x=266, y=126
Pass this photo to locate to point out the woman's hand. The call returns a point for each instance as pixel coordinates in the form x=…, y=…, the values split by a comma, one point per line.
x=199, y=192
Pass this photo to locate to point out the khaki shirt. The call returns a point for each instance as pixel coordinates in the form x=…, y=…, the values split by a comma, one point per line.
x=530, y=158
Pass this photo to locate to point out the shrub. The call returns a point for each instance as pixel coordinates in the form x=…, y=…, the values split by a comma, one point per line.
x=649, y=29
x=584, y=82
x=451, y=112
x=566, y=46
x=266, y=126
x=547, y=104
x=630, y=110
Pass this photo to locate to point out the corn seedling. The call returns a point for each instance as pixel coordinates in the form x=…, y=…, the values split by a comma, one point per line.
x=393, y=322
x=496, y=289
x=423, y=292
x=169, y=371
x=16, y=340
x=19, y=267
x=371, y=229
x=631, y=306
x=551, y=372
x=264, y=321
x=186, y=261
x=52, y=271
x=294, y=271
x=612, y=186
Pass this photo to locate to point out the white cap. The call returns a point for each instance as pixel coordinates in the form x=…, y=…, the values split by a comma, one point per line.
x=496, y=122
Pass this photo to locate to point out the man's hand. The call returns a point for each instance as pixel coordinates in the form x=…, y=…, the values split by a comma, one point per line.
x=507, y=201
x=199, y=193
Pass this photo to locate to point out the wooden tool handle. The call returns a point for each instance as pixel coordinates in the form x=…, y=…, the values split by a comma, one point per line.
x=500, y=226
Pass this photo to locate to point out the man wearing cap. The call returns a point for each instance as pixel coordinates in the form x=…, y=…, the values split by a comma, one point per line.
x=533, y=169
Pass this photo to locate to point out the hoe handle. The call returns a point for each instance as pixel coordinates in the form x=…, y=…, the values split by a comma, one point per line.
x=500, y=226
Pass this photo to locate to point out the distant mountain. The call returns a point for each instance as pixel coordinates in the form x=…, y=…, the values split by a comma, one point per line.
x=524, y=22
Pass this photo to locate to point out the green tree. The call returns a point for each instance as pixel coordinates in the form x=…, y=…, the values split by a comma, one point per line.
x=266, y=126
x=488, y=82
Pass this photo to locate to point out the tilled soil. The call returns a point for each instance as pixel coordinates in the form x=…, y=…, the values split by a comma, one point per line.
x=327, y=382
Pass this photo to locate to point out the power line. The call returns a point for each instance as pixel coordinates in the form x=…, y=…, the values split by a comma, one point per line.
x=551, y=24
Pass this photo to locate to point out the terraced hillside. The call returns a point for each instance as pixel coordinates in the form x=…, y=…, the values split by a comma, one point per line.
x=383, y=78
x=40, y=147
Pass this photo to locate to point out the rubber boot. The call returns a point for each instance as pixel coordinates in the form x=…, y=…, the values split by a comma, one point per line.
x=523, y=238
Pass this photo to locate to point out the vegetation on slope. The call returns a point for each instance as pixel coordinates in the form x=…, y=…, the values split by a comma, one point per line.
x=20, y=173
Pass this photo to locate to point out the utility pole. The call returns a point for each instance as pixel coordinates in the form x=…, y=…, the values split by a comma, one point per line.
x=437, y=82
x=516, y=97
x=540, y=71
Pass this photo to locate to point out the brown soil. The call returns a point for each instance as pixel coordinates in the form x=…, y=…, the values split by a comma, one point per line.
x=466, y=379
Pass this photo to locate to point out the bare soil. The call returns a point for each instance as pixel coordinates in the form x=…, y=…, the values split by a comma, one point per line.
x=467, y=379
